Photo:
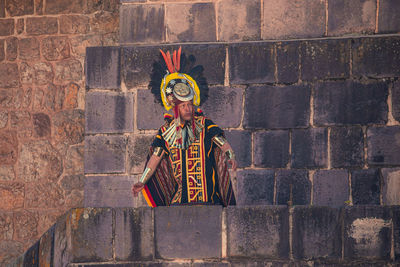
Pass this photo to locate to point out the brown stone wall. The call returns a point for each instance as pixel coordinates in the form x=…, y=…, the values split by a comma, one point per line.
x=42, y=50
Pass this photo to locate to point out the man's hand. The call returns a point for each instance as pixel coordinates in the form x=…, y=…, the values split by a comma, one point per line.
x=233, y=164
x=136, y=188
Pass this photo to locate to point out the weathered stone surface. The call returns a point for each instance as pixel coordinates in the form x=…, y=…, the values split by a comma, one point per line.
x=29, y=48
x=285, y=20
x=68, y=70
x=108, y=191
x=105, y=154
x=38, y=160
x=293, y=187
x=383, y=145
x=367, y=232
x=2, y=52
x=27, y=73
x=255, y=187
x=3, y=119
x=91, y=235
x=71, y=96
x=45, y=248
x=20, y=25
x=261, y=231
x=20, y=120
x=347, y=102
x=6, y=27
x=53, y=97
x=73, y=162
x=41, y=125
x=19, y=8
x=69, y=126
x=74, y=6
x=271, y=149
x=41, y=25
x=396, y=231
x=331, y=188
x=109, y=113
x=190, y=22
x=73, y=24
x=245, y=15
x=317, y=232
x=376, y=57
x=39, y=7
x=6, y=226
x=8, y=147
x=2, y=9
x=211, y=264
x=241, y=145
x=191, y=226
x=396, y=100
x=347, y=147
x=104, y=22
x=251, y=63
x=365, y=187
x=224, y=106
x=25, y=223
x=287, y=61
x=102, y=68
x=325, y=59
x=9, y=75
x=11, y=48
x=6, y=173
x=47, y=219
x=10, y=249
x=389, y=21
x=287, y=107
x=351, y=17
x=55, y=48
x=391, y=186
x=142, y=23
x=138, y=150
x=309, y=148
x=72, y=182
x=79, y=43
x=149, y=112
x=134, y=234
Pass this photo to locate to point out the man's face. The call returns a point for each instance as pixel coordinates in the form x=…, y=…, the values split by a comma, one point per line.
x=186, y=110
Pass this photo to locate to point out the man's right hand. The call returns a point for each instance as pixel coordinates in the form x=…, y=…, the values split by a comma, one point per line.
x=136, y=188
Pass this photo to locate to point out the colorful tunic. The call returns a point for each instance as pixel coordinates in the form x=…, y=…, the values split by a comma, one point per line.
x=196, y=175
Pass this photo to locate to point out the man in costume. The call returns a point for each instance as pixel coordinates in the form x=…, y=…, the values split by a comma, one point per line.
x=188, y=157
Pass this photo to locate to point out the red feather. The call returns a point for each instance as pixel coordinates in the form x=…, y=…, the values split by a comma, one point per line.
x=166, y=57
x=178, y=66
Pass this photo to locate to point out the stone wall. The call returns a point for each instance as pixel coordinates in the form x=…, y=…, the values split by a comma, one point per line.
x=42, y=88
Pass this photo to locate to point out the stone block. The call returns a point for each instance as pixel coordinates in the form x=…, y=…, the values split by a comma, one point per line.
x=41, y=25
x=105, y=154
x=251, y=63
x=396, y=101
x=274, y=107
x=347, y=147
x=317, y=233
x=224, y=106
x=211, y=264
x=365, y=187
x=31, y=256
x=389, y=21
x=68, y=70
x=348, y=102
x=381, y=148
x=396, y=232
x=6, y=27
x=284, y=20
x=271, y=149
x=261, y=232
x=240, y=142
x=134, y=234
x=102, y=68
x=74, y=6
x=287, y=61
x=309, y=148
x=367, y=232
x=3, y=119
x=149, y=112
x=91, y=234
x=74, y=24
x=68, y=126
x=25, y=225
x=9, y=75
x=8, y=147
x=142, y=23
x=350, y=17
x=138, y=150
x=190, y=22
x=11, y=48
x=255, y=187
x=46, y=248
x=293, y=187
x=245, y=15
x=109, y=113
x=6, y=226
x=10, y=250
x=41, y=125
x=391, y=186
x=108, y=191
x=45, y=194
x=7, y=173
x=2, y=52
x=376, y=57
x=195, y=232
x=20, y=25
x=19, y=8
x=325, y=59
x=55, y=48
x=331, y=188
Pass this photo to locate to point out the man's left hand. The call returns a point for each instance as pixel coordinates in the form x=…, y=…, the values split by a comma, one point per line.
x=233, y=164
